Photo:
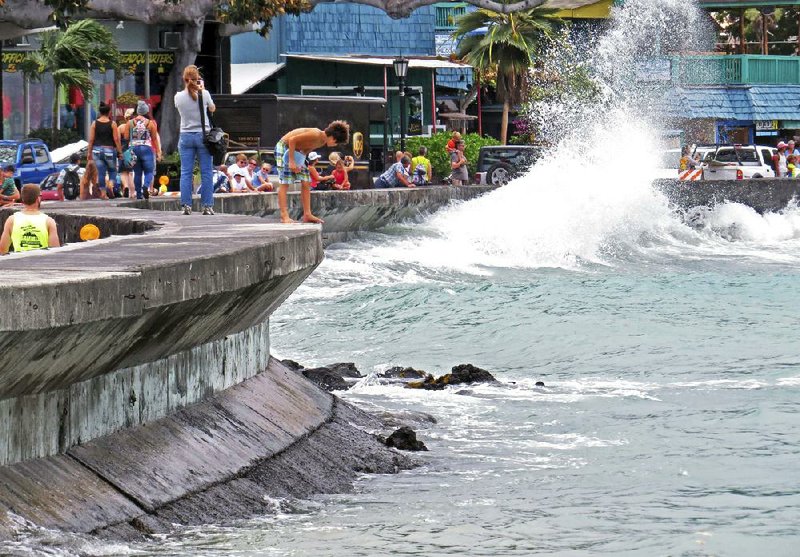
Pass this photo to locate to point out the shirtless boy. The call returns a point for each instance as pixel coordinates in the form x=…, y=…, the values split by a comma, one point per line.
x=302, y=141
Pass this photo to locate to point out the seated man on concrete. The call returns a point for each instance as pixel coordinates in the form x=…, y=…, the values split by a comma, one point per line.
x=397, y=176
x=29, y=228
x=8, y=191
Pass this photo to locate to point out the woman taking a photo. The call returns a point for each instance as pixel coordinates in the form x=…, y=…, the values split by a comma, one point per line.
x=190, y=142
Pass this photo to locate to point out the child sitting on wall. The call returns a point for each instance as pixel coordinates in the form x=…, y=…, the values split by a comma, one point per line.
x=340, y=179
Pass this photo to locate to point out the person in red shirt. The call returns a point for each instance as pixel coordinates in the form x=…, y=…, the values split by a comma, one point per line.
x=340, y=180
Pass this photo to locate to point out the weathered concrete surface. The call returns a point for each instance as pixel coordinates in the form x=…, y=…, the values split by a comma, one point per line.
x=764, y=196
x=345, y=212
x=275, y=434
x=93, y=335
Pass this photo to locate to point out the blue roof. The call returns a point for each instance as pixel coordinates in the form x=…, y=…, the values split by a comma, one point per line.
x=454, y=78
x=754, y=102
x=344, y=28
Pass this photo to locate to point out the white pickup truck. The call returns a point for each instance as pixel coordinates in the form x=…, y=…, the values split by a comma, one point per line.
x=739, y=162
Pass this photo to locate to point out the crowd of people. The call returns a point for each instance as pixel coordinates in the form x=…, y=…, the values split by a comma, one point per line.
x=121, y=159
x=785, y=161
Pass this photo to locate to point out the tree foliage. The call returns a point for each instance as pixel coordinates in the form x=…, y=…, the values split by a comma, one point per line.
x=437, y=152
x=68, y=55
x=503, y=46
x=782, y=24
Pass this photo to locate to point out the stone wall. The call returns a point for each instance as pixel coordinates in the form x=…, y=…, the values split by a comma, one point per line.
x=100, y=336
x=764, y=196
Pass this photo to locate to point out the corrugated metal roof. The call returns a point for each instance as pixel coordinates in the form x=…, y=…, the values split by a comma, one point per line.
x=755, y=102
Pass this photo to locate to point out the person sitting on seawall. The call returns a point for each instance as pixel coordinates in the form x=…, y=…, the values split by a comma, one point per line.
x=104, y=146
x=340, y=179
x=458, y=164
x=261, y=179
x=29, y=228
x=221, y=180
x=241, y=168
x=8, y=191
x=422, y=159
x=397, y=176
x=239, y=184
x=791, y=149
x=318, y=182
x=420, y=177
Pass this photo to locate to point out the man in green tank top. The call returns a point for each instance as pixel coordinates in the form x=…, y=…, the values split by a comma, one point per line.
x=29, y=229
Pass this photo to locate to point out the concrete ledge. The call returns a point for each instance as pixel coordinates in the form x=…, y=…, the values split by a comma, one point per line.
x=275, y=434
x=87, y=309
x=768, y=195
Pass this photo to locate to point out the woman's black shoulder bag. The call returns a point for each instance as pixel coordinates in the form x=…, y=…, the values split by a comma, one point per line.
x=215, y=139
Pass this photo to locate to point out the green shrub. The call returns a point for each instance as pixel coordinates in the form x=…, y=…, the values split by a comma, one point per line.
x=63, y=137
x=437, y=150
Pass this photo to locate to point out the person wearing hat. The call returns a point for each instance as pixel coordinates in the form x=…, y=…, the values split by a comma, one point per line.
x=318, y=182
x=142, y=135
x=779, y=162
x=29, y=228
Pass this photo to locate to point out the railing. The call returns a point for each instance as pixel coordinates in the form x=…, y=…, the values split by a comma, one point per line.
x=735, y=70
x=447, y=14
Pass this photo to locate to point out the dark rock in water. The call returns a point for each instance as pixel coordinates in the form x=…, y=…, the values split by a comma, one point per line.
x=346, y=369
x=332, y=377
x=460, y=374
x=465, y=392
x=291, y=364
x=540, y=383
x=405, y=439
x=398, y=372
x=468, y=373
x=326, y=379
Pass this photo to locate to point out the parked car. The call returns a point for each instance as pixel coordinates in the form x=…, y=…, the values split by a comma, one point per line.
x=31, y=159
x=740, y=162
x=498, y=164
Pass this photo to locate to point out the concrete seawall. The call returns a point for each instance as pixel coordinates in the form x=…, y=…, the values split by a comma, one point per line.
x=345, y=213
x=762, y=195
x=138, y=390
x=100, y=336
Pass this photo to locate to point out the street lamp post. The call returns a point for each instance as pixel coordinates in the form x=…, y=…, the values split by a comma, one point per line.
x=401, y=70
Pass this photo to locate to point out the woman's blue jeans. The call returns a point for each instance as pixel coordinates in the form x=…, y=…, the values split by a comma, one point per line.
x=190, y=148
x=145, y=167
x=106, y=160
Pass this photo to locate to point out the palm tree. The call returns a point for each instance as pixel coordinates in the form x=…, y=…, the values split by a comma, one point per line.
x=504, y=45
x=68, y=57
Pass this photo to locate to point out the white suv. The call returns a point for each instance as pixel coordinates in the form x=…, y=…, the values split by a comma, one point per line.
x=739, y=162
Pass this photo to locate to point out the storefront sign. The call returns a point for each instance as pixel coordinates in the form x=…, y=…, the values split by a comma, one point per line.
x=765, y=125
x=134, y=62
x=12, y=60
